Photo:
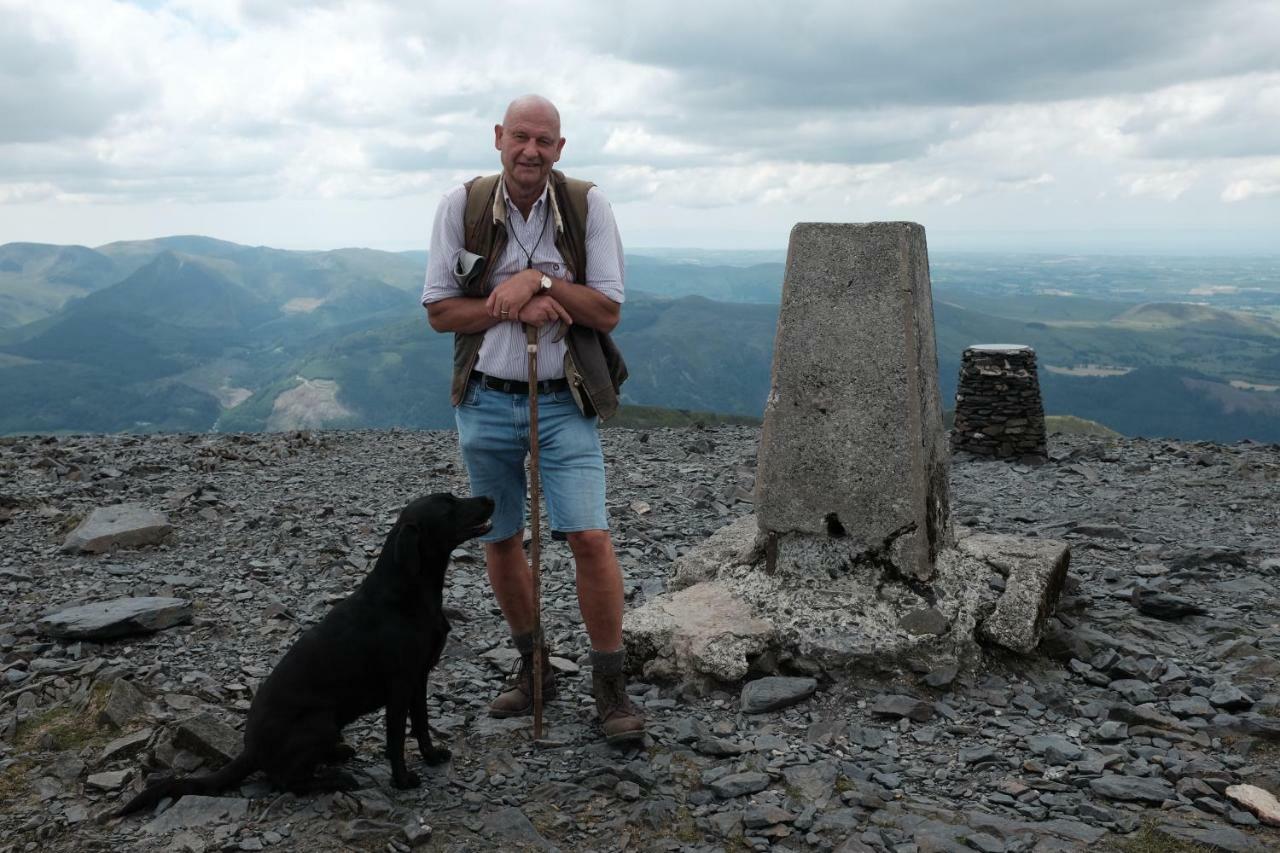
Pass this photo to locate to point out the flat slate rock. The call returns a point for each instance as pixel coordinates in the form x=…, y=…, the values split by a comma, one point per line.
x=513, y=827
x=120, y=617
x=775, y=691
x=1143, y=789
x=737, y=784
x=897, y=705
x=210, y=738
x=118, y=526
x=199, y=811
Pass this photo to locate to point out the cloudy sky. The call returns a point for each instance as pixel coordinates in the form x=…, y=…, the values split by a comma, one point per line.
x=1140, y=125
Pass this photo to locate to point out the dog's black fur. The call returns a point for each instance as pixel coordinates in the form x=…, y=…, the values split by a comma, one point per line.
x=372, y=650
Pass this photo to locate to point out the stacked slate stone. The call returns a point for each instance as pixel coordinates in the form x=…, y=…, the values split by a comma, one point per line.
x=999, y=412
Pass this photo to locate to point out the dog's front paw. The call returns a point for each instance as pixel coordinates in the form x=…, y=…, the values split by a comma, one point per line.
x=435, y=755
x=405, y=780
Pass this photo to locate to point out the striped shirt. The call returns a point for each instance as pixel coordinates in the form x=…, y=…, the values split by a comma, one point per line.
x=503, y=354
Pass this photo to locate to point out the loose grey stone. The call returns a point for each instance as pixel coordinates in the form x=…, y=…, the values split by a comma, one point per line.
x=897, y=705
x=1132, y=788
x=1230, y=698
x=512, y=826
x=1137, y=692
x=192, y=811
x=737, y=784
x=125, y=746
x=120, y=617
x=759, y=816
x=979, y=754
x=208, y=737
x=118, y=526
x=1215, y=838
x=113, y=780
x=1056, y=748
x=942, y=677
x=928, y=620
x=1192, y=706
x=774, y=692
x=871, y=738
x=125, y=703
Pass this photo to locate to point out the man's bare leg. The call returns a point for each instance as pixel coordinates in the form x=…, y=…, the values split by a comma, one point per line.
x=600, y=599
x=512, y=582
x=599, y=588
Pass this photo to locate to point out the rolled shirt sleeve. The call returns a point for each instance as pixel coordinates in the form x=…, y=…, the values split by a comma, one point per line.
x=605, y=266
x=446, y=243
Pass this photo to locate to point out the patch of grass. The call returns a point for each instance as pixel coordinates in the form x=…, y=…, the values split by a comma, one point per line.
x=685, y=829
x=13, y=781
x=1148, y=839
x=70, y=728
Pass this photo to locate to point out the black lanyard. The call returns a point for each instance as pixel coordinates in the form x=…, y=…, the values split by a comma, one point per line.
x=528, y=253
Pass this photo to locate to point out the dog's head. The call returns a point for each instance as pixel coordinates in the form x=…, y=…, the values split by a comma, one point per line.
x=432, y=526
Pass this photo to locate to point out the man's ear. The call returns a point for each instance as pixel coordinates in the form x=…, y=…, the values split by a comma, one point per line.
x=407, y=549
x=497, y=136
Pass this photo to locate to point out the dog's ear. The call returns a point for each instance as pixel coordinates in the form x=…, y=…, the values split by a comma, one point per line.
x=407, y=549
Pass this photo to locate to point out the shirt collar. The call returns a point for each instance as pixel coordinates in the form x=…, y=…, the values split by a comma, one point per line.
x=501, y=200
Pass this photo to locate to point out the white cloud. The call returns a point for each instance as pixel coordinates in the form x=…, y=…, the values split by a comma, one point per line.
x=1165, y=186
x=1167, y=110
x=1256, y=182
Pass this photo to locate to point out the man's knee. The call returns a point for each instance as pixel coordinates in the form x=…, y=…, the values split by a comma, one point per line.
x=590, y=546
x=505, y=550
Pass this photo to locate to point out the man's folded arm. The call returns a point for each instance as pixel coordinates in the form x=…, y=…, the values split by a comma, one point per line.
x=459, y=314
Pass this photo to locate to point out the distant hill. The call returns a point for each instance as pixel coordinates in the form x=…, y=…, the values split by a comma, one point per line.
x=1168, y=315
x=37, y=279
x=191, y=333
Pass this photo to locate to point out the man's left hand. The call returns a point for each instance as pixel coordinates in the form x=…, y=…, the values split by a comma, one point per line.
x=543, y=309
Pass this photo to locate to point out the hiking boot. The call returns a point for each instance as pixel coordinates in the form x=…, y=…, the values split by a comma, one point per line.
x=516, y=700
x=620, y=720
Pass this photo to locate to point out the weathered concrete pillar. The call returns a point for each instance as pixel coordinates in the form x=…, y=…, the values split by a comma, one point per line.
x=999, y=412
x=859, y=567
x=853, y=462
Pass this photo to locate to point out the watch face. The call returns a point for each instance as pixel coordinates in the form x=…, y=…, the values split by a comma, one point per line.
x=545, y=282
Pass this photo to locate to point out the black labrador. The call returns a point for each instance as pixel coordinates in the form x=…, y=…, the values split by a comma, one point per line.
x=372, y=650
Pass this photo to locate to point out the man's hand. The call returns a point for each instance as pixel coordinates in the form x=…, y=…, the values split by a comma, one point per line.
x=543, y=309
x=506, y=300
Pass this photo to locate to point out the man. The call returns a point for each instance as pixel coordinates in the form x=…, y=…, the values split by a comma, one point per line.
x=548, y=266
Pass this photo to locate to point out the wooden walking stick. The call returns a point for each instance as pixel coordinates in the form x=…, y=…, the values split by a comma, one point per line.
x=535, y=544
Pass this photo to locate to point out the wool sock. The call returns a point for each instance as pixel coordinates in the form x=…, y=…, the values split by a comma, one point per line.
x=523, y=643
x=607, y=663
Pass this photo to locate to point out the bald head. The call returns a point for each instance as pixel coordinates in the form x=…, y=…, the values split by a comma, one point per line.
x=529, y=142
x=535, y=108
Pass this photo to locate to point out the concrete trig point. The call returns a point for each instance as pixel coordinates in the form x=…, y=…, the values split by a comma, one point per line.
x=853, y=463
x=851, y=560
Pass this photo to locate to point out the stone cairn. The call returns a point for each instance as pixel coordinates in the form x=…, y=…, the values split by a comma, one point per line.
x=999, y=412
x=851, y=561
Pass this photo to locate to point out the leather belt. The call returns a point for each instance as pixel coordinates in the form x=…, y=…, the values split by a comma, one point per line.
x=515, y=386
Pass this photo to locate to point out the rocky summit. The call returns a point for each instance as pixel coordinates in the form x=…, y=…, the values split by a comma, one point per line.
x=1148, y=718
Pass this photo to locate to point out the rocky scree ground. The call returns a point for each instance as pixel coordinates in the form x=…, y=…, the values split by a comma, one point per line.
x=1123, y=733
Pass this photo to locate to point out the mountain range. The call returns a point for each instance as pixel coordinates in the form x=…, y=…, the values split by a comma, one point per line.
x=197, y=334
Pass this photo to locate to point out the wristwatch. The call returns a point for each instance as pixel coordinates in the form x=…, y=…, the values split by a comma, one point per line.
x=544, y=284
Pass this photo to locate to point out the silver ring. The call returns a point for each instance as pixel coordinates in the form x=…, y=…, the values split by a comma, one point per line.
x=505, y=313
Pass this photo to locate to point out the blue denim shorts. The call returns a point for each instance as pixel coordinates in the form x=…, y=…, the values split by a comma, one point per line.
x=493, y=432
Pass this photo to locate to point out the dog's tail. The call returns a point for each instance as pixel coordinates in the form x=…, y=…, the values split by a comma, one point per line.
x=233, y=774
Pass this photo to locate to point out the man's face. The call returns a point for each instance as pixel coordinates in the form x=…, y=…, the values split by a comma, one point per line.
x=530, y=143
